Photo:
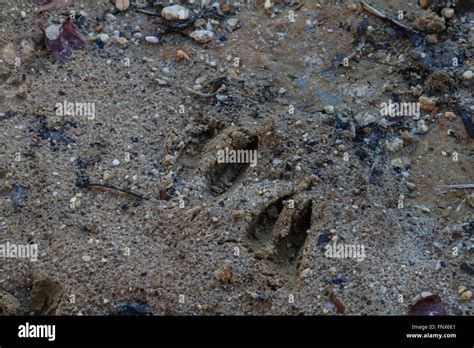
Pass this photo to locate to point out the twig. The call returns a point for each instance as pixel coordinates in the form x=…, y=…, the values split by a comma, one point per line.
x=101, y=187
x=149, y=12
x=458, y=186
x=383, y=16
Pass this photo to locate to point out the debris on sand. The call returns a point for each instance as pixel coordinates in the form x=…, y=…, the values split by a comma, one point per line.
x=62, y=39
x=202, y=36
x=9, y=305
x=50, y=5
x=430, y=23
x=428, y=305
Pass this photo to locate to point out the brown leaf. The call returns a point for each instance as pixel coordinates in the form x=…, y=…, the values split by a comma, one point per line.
x=70, y=34
x=340, y=308
x=62, y=39
x=54, y=5
x=430, y=305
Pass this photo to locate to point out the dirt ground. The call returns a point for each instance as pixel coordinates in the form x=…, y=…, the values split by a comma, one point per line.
x=131, y=212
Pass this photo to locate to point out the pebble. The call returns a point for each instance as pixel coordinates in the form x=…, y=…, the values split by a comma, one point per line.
x=329, y=109
x=137, y=35
x=52, y=32
x=427, y=104
x=23, y=14
x=447, y=13
x=421, y=127
x=467, y=75
x=202, y=36
x=115, y=162
x=181, y=55
x=122, y=41
x=86, y=258
x=110, y=17
x=232, y=23
x=352, y=7
x=394, y=144
x=466, y=295
x=103, y=37
x=432, y=38
x=175, y=12
x=106, y=176
x=152, y=39
x=122, y=5
x=397, y=163
x=425, y=3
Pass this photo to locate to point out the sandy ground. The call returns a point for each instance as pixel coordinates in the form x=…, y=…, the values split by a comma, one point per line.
x=192, y=236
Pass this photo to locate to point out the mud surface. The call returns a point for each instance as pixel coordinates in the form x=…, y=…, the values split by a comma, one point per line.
x=133, y=214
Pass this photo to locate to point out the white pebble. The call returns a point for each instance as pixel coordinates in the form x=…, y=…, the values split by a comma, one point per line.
x=152, y=39
x=115, y=162
x=467, y=75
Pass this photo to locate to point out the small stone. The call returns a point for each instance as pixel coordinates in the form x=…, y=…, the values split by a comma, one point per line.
x=106, y=176
x=461, y=289
x=466, y=295
x=421, y=127
x=427, y=104
x=306, y=272
x=397, y=163
x=447, y=13
x=122, y=5
x=122, y=41
x=23, y=14
x=103, y=37
x=53, y=31
x=202, y=36
x=115, y=162
x=200, y=23
x=425, y=3
x=329, y=109
x=232, y=23
x=467, y=75
x=152, y=39
x=181, y=55
x=352, y=7
x=86, y=258
x=394, y=145
x=224, y=274
x=175, y=12
x=426, y=294
x=450, y=115
x=432, y=38
x=430, y=23
x=226, y=8
x=110, y=17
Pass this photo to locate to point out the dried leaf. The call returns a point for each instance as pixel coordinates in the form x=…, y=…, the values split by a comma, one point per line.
x=430, y=305
x=60, y=49
x=54, y=5
x=70, y=34
x=62, y=39
x=340, y=308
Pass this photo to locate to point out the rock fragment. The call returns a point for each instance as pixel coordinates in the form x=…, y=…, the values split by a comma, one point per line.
x=175, y=13
x=202, y=36
x=9, y=305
